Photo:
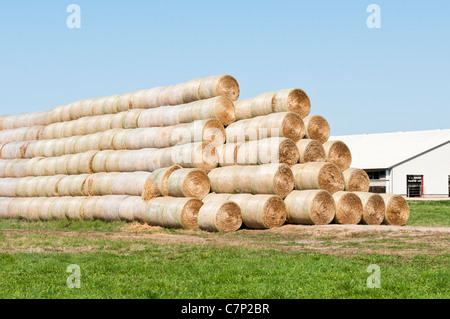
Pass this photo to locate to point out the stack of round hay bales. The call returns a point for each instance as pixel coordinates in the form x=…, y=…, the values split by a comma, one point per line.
x=186, y=156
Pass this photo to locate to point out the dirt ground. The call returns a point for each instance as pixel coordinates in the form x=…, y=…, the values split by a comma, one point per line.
x=329, y=239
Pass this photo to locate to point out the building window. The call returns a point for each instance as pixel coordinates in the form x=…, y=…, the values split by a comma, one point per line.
x=377, y=174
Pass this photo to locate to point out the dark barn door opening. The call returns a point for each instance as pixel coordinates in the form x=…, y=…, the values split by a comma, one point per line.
x=414, y=185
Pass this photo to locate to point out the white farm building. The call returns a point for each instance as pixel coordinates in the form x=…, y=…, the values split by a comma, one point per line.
x=413, y=164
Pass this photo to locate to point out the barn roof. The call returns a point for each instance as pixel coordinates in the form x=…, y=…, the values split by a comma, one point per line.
x=385, y=150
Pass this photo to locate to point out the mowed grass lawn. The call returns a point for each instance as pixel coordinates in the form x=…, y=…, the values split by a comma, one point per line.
x=114, y=268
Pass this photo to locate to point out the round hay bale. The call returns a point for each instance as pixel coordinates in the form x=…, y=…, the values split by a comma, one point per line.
x=150, y=98
x=272, y=125
x=254, y=179
x=29, y=209
x=317, y=128
x=44, y=208
x=111, y=207
x=131, y=119
x=60, y=166
x=99, y=161
x=373, y=208
x=349, y=208
x=120, y=140
x=173, y=212
x=294, y=100
x=269, y=150
x=311, y=151
x=243, y=109
x=8, y=187
x=318, y=175
x=104, y=122
x=49, y=166
x=260, y=105
x=193, y=155
x=219, y=85
x=161, y=177
x=220, y=108
x=59, y=208
x=118, y=120
x=397, y=210
x=100, y=184
x=14, y=208
x=131, y=209
x=25, y=187
x=154, y=117
x=106, y=141
x=15, y=168
x=85, y=163
x=220, y=216
x=310, y=207
x=134, y=184
x=261, y=211
x=33, y=167
x=190, y=91
x=69, y=144
x=88, y=208
x=356, y=180
x=337, y=152
x=50, y=186
x=188, y=182
x=97, y=207
x=4, y=204
x=75, y=208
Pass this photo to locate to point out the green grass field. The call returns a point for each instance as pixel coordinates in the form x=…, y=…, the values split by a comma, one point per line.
x=34, y=258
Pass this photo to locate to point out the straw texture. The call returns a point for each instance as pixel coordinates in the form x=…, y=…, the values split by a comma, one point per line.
x=349, y=208
x=310, y=207
x=318, y=175
x=274, y=179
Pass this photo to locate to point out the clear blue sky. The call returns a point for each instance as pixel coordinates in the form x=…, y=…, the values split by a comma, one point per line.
x=362, y=80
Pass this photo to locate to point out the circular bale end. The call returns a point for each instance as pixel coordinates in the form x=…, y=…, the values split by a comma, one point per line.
x=299, y=102
x=397, y=210
x=196, y=184
x=317, y=128
x=310, y=207
x=220, y=215
x=274, y=212
x=225, y=111
x=189, y=213
x=288, y=152
x=283, y=181
x=323, y=208
x=349, y=208
x=338, y=153
x=229, y=87
x=228, y=217
x=330, y=178
x=293, y=127
x=311, y=151
x=374, y=208
x=356, y=180
x=213, y=132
